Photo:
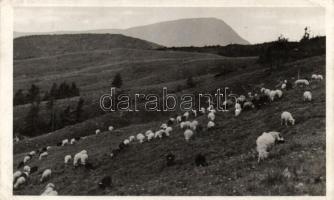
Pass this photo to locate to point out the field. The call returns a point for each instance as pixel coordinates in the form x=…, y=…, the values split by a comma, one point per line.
x=229, y=148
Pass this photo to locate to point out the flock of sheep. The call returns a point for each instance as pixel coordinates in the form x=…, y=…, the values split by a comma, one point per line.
x=186, y=122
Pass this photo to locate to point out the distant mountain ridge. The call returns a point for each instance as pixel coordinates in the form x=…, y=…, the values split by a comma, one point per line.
x=177, y=33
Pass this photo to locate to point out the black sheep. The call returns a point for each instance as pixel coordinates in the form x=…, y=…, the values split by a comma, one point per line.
x=170, y=158
x=200, y=160
x=105, y=182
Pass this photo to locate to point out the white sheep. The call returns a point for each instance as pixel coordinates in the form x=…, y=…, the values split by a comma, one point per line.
x=202, y=110
x=186, y=115
x=126, y=141
x=163, y=126
x=287, y=117
x=241, y=98
x=64, y=142
x=82, y=156
x=48, y=147
x=72, y=141
x=283, y=86
x=67, y=158
x=320, y=77
x=248, y=104
x=172, y=119
x=26, y=159
x=148, y=132
x=32, y=153
x=188, y=134
x=263, y=90
x=237, y=106
x=279, y=93
x=237, y=112
x=211, y=124
x=265, y=141
x=16, y=175
x=45, y=175
x=132, y=138
x=110, y=128
x=193, y=125
x=307, y=96
x=178, y=119
x=97, y=131
x=168, y=130
x=302, y=82
x=185, y=124
x=50, y=190
x=211, y=116
x=20, y=181
x=26, y=168
x=314, y=76
x=140, y=137
x=272, y=95
x=194, y=112
x=42, y=155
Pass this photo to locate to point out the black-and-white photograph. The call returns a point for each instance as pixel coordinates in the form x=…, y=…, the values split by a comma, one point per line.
x=169, y=101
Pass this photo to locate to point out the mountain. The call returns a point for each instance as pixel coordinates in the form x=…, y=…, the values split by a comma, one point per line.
x=47, y=45
x=182, y=32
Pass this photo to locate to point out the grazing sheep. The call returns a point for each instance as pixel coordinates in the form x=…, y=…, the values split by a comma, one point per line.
x=272, y=95
x=163, y=126
x=110, y=128
x=200, y=161
x=265, y=141
x=194, y=112
x=210, y=125
x=279, y=93
x=170, y=158
x=193, y=125
x=237, y=112
x=178, y=119
x=211, y=116
x=237, y=106
x=26, y=168
x=26, y=159
x=82, y=156
x=48, y=148
x=126, y=141
x=42, y=155
x=185, y=124
x=148, y=132
x=97, y=131
x=155, y=135
x=50, y=190
x=307, y=96
x=72, y=141
x=287, y=117
x=241, y=98
x=21, y=164
x=314, y=76
x=45, y=175
x=67, y=158
x=32, y=153
x=140, y=137
x=202, y=110
x=20, y=181
x=263, y=90
x=16, y=175
x=168, y=130
x=188, y=134
x=186, y=115
x=132, y=138
x=64, y=142
x=105, y=182
x=320, y=77
x=302, y=82
x=248, y=105
x=283, y=86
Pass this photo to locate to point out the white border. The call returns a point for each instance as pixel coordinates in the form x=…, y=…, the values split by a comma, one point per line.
x=6, y=79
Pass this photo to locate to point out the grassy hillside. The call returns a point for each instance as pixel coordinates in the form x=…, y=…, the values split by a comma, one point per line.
x=229, y=148
x=50, y=45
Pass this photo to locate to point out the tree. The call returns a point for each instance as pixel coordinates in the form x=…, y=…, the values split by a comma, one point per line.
x=79, y=110
x=190, y=82
x=74, y=90
x=32, y=120
x=54, y=91
x=117, y=82
x=50, y=107
x=33, y=93
x=19, y=97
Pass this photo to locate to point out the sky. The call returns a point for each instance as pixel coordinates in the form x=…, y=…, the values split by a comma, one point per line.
x=255, y=24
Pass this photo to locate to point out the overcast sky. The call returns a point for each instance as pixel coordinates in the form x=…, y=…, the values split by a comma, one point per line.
x=253, y=24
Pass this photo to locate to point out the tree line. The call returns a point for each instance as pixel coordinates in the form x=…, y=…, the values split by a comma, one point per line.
x=62, y=91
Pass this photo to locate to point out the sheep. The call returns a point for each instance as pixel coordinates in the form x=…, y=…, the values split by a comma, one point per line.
x=32, y=153
x=156, y=135
x=148, y=132
x=320, y=77
x=170, y=158
x=42, y=155
x=97, y=131
x=72, y=141
x=140, y=137
x=237, y=112
x=50, y=190
x=307, y=96
x=82, y=156
x=16, y=175
x=263, y=90
x=248, y=105
x=200, y=160
x=186, y=115
x=193, y=125
x=126, y=141
x=168, y=130
x=185, y=124
x=314, y=76
x=194, y=112
x=67, y=158
x=110, y=128
x=302, y=82
x=272, y=95
x=279, y=93
x=163, y=126
x=265, y=141
x=26, y=168
x=211, y=116
x=64, y=142
x=132, y=138
x=45, y=175
x=48, y=147
x=16, y=139
x=241, y=98
x=283, y=86
x=188, y=134
x=26, y=159
x=178, y=119
x=20, y=181
x=287, y=117
x=237, y=106
x=202, y=110
x=267, y=92
x=210, y=125
x=105, y=182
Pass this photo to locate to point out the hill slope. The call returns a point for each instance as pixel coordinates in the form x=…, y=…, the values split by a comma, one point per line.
x=50, y=45
x=182, y=32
